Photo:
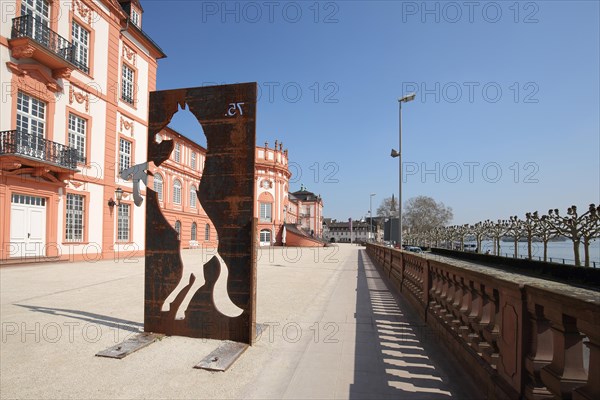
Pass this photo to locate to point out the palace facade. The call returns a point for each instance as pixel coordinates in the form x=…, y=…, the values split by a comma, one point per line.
x=76, y=78
x=176, y=182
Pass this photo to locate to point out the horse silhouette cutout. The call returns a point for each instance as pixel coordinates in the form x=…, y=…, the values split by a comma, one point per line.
x=222, y=301
x=210, y=294
x=220, y=295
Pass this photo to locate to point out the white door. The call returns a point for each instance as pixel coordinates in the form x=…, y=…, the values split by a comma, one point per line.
x=27, y=226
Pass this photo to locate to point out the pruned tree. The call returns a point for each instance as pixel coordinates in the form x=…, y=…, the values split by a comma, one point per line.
x=460, y=232
x=388, y=208
x=479, y=231
x=422, y=214
x=496, y=230
x=514, y=229
x=590, y=230
x=544, y=231
x=529, y=231
x=575, y=227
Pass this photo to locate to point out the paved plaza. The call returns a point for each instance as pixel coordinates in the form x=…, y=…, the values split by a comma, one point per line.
x=329, y=328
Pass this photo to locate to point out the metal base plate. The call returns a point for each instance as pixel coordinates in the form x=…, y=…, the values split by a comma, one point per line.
x=130, y=345
x=223, y=356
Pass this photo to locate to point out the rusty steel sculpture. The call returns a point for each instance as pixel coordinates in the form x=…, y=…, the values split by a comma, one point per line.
x=179, y=299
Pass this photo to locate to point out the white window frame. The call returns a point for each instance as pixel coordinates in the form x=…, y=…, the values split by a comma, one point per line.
x=266, y=212
x=40, y=9
x=194, y=231
x=123, y=222
x=159, y=188
x=177, y=192
x=127, y=84
x=135, y=17
x=77, y=136
x=125, y=153
x=31, y=115
x=206, y=232
x=265, y=236
x=193, y=196
x=177, y=152
x=193, y=160
x=74, y=218
x=81, y=42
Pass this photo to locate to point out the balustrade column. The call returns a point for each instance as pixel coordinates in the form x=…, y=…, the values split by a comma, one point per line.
x=591, y=391
x=566, y=371
x=540, y=354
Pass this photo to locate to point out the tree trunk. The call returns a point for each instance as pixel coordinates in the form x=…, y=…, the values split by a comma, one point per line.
x=545, y=250
x=529, y=238
x=586, y=250
x=516, y=246
x=576, y=252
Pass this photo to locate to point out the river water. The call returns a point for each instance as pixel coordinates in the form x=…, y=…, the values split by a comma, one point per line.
x=558, y=251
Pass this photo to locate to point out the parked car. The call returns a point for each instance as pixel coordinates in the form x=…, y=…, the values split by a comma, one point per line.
x=414, y=249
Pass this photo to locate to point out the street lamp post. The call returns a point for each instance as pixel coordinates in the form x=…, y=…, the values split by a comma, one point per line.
x=404, y=99
x=371, y=214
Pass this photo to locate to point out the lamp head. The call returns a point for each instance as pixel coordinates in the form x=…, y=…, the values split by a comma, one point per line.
x=407, y=98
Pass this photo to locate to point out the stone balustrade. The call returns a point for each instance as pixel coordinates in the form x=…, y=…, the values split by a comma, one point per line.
x=521, y=336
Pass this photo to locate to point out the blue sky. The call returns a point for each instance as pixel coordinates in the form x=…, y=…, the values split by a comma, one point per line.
x=506, y=118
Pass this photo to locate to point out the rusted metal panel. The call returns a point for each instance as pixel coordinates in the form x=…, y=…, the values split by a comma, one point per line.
x=130, y=345
x=227, y=114
x=223, y=356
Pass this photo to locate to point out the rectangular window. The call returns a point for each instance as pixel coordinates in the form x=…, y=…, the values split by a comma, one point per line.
x=77, y=132
x=31, y=115
x=177, y=154
x=38, y=8
x=31, y=126
x=123, y=223
x=193, y=196
x=265, y=212
x=127, y=84
x=75, y=216
x=135, y=18
x=124, y=155
x=193, y=160
x=81, y=44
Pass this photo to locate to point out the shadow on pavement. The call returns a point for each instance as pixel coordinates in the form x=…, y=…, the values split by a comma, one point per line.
x=396, y=354
x=111, y=322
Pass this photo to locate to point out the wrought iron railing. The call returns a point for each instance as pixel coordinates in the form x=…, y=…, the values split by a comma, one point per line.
x=35, y=29
x=36, y=147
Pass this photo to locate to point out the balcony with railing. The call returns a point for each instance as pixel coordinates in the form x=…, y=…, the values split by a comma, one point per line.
x=32, y=38
x=34, y=151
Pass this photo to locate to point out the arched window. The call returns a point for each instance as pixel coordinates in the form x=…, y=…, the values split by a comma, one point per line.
x=193, y=196
x=177, y=192
x=178, y=229
x=158, y=186
x=265, y=237
x=207, y=232
x=194, y=231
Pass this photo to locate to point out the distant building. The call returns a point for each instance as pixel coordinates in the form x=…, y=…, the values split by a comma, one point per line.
x=340, y=232
x=176, y=184
x=272, y=184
